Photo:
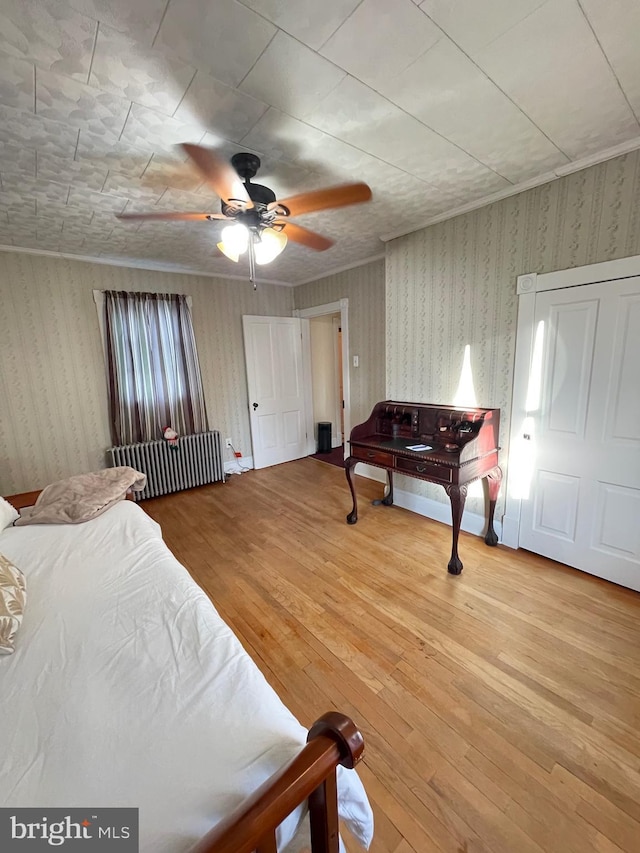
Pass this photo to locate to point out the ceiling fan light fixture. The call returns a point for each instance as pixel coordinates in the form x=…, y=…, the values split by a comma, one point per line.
x=268, y=245
x=234, y=241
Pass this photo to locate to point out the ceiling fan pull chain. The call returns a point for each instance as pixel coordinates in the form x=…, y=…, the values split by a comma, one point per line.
x=252, y=263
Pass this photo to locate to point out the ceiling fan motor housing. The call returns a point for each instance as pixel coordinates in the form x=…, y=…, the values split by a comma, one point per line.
x=246, y=165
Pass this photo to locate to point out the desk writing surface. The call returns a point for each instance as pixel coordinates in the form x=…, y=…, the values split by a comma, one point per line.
x=405, y=446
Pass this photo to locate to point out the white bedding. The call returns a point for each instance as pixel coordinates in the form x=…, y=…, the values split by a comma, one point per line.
x=127, y=689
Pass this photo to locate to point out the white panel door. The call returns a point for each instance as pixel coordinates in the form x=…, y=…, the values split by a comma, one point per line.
x=273, y=352
x=584, y=504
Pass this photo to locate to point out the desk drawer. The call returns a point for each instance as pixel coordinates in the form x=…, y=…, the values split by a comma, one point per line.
x=420, y=468
x=378, y=457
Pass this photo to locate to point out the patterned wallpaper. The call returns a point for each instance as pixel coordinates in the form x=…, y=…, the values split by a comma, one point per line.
x=454, y=284
x=364, y=288
x=53, y=419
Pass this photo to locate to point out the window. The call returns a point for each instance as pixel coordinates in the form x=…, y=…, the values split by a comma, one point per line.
x=152, y=366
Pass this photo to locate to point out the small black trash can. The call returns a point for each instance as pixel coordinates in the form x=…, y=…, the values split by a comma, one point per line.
x=324, y=437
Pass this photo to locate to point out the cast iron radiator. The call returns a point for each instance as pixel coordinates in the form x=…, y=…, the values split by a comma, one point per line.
x=194, y=461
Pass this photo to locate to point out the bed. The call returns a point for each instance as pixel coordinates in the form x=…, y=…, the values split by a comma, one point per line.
x=126, y=688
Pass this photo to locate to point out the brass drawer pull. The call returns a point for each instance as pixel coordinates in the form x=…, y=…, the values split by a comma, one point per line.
x=421, y=469
x=371, y=454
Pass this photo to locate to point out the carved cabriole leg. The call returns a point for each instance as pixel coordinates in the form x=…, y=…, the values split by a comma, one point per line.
x=349, y=465
x=457, y=496
x=494, y=479
x=387, y=500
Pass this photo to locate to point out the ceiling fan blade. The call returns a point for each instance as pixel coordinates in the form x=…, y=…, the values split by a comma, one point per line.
x=322, y=199
x=189, y=217
x=302, y=235
x=221, y=175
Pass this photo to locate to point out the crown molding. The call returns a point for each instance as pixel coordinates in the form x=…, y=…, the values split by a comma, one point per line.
x=327, y=273
x=142, y=265
x=560, y=172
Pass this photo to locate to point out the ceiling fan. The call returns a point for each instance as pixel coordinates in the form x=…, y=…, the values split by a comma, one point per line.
x=258, y=222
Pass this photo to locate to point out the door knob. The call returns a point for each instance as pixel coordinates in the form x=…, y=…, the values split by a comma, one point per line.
x=255, y=406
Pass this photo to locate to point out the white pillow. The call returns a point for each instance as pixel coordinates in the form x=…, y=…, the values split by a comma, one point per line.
x=13, y=595
x=8, y=514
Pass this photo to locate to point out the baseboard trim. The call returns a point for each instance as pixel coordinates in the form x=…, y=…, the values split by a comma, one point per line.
x=510, y=531
x=235, y=465
x=427, y=507
x=370, y=472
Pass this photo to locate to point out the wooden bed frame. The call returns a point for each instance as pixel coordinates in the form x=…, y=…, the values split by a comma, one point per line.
x=333, y=739
x=311, y=776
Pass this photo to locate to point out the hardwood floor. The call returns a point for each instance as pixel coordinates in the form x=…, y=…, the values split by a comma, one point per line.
x=500, y=708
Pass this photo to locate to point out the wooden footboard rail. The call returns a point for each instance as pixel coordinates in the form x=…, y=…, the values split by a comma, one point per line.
x=311, y=775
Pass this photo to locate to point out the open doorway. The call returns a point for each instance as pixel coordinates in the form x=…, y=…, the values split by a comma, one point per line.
x=325, y=339
x=326, y=357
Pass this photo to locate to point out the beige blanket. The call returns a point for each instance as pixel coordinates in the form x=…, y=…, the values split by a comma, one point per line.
x=82, y=497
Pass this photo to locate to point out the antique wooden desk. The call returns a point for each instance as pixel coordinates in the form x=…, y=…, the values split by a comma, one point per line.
x=459, y=446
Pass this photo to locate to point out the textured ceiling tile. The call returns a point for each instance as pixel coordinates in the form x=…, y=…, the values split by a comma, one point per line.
x=473, y=25
x=95, y=201
x=226, y=149
x=362, y=117
x=55, y=209
x=209, y=103
x=113, y=156
x=20, y=230
x=155, y=131
x=291, y=77
x=127, y=187
x=224, y=37
x=138, y=18
x=72, y=220
x=14, y=158
x=122, y=66
x=47, y=227
x=284, y=137
x=80, y=173
x=79, y=105
x=107, y=222
x=22, y=210
x=543, y=63
x=71, y=244
x=398, y=194
x=168, y=172
x=447, y=92
x=31, y=131
x=381, y=39
x=35, y=189
x=16, y=82
x=205, y=201
x=49, y=33
x=613, y=23
x=309, y=21
x=352, y=133
x=351, y=109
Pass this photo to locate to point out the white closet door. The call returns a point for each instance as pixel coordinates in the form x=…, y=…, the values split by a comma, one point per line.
x=584, y=505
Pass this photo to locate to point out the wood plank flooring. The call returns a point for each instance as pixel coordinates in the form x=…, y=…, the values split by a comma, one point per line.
x=500, y=708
